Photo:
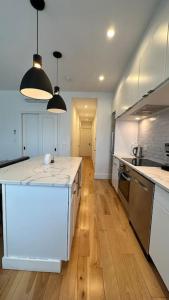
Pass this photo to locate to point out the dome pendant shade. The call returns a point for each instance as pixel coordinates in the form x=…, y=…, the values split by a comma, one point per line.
x=56, y=104
x=36, y=84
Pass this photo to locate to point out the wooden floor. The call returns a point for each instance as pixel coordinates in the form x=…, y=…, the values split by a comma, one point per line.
x=106, y=261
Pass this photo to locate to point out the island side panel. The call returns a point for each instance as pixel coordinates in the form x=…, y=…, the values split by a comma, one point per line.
x=36, y=222
x=74, y=202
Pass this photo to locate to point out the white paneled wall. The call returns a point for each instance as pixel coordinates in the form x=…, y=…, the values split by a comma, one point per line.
x=94, y=141
x=75, y=133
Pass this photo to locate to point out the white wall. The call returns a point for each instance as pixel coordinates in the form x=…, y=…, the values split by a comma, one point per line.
x=75, y=133
x=94, y=141
x=12, y=104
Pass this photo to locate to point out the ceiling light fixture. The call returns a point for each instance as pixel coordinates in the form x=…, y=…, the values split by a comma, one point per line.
x=56, y=104
x=85, y=106
x=101, y=77
x=152, y=119
x=110, y=33
x=137, y=118
x=35, y=83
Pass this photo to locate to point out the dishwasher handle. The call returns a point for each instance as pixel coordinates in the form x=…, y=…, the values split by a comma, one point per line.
x=141, y=184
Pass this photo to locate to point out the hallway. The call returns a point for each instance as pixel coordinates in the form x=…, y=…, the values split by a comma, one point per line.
x=106, y=262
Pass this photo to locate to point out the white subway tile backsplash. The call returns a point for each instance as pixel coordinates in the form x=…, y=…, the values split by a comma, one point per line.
x=154, y=135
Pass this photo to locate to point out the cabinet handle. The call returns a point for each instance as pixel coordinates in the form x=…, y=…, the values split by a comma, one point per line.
x=55, y=149
x=125, y=177
x=150, y=91
x=24, y=148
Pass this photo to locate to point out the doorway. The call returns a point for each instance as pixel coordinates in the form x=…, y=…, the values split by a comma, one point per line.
x=85, y=141
x=84, y=128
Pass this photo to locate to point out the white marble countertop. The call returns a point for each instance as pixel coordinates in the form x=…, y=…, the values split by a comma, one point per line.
x=155, y=174
x=33, y=172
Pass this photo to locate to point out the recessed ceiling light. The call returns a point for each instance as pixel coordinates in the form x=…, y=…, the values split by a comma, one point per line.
x=68, y=78
x=152, y=119
x=125, y=107
x=85, y=106
x=110, y=33
x=101, y=77
x=137, y=118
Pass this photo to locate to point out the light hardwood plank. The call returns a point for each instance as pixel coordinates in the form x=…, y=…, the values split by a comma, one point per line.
x=82, y=274
x=130, y=280
x=106, y=262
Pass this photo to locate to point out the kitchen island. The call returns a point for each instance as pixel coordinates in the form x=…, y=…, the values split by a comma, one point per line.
x=40, y=204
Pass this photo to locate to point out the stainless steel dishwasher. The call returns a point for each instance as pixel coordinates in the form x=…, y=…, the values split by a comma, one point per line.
x=140, y=207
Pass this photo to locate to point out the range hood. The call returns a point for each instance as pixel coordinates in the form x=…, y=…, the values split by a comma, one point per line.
x=151, y=104
x=149, y=109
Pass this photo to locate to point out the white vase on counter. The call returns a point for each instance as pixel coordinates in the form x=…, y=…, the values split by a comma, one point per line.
x=47, y=159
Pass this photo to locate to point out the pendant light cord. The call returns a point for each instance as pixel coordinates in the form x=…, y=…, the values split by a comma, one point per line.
x=57, y=74
x=37, y=31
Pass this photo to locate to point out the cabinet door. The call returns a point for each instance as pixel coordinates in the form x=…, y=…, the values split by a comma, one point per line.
x=153, y=60
x=39, y=134
x=159, y=241
x=120, y=99
x=48, y=125
x=71, y=224
x=30, y=132
x=115, y=173
x=132, y=83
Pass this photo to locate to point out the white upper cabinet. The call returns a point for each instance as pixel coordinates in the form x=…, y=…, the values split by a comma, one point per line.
x=153, y=58
x=167, y=58
x=127, y=91
x=131, y=83
x=150, y=67
x=119, y=104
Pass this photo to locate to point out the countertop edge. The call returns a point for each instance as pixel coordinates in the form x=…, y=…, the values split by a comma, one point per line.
x=53, y=184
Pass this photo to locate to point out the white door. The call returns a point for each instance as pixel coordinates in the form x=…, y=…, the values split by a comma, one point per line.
x=30, y=130
x=39, y=134
x=85, y=142
x=48, y=125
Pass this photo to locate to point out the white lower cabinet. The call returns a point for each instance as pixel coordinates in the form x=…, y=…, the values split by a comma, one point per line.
x=75, y=195
x=159, y=240
x=115, y=173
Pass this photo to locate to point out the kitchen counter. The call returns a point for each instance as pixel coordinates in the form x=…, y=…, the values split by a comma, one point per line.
x=33, y=172
x=40, y=205
x=155, y=174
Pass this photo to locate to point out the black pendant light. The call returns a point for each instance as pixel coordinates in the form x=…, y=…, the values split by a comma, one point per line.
x=56, y=104
x=35, y=83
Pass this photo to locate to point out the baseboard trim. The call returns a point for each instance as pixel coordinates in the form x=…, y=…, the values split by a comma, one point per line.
x=102, y=176
x=31, y=264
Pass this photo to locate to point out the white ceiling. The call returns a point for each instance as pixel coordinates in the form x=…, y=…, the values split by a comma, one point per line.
x=78, y=29
x=86, y=109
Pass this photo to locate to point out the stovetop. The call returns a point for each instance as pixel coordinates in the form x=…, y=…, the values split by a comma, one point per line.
x=142, y=162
